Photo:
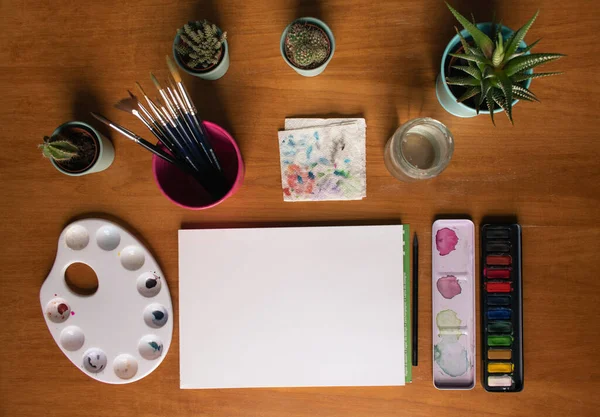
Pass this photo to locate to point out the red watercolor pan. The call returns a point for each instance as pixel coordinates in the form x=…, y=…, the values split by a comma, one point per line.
x=498, y=286
x=497, y=273
x=498, y=260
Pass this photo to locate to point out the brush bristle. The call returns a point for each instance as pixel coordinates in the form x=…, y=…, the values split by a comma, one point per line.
x=132, y=95
x=173, y=69
x=127, y=105
x=155, y=81
x=140, y=89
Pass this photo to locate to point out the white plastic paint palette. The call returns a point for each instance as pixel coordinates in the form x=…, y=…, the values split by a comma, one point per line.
x=122, y=332
x=453, y=298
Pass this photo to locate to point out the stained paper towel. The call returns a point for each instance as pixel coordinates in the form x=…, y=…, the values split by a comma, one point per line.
x=323, y=159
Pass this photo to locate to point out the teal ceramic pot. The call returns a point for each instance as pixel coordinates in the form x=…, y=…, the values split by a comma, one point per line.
x=214, y=73
x=315, y=71
x=105, y=149
x=444, y=95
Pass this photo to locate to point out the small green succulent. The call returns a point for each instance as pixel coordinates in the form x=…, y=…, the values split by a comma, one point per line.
x=306, y=45
x=201, y=44
x=497, y=68
x=59, y=150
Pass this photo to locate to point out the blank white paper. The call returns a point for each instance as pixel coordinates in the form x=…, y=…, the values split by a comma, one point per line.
x=291, y=307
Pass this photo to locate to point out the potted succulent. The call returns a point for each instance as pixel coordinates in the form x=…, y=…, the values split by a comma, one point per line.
x=487, y=68
x=200, y=49
x=307, y=45
x=76, y=148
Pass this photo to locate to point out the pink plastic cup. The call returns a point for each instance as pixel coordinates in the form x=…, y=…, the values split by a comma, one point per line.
x=183, y=190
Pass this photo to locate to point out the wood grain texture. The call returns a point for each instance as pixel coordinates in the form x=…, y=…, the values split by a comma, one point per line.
x=60, y=59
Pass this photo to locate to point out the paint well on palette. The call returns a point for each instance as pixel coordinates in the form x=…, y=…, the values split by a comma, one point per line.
x=500, y=313
x=496, y=273
x=500, y=381
x=499, y=354
x=500, y=367
x=501, y=260
x=446, y=241
x=449, y=354
x=499, y=340
x=448, y=286
x=451, y=357
x=498, y=286
x=500, y=327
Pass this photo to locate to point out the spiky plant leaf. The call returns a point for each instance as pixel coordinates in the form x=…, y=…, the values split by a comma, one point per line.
x=464, y=81
x=519, y=35
x=485, y=87
x=525, y=50
x=471, y=92
x=506, y=87
x=490, y=104
x=59, y=150
x=520, y=96
x=474, y=58
x=501, y=100
x=526, y=62
x=498, y=55
x=523, y=91
x=473, y=72
x=481, y=39
x=523, y=76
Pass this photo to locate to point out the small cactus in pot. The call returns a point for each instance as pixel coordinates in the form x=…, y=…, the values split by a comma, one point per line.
x=306, y=45
x=201, y=45
x=59, y=150
x=76, y=148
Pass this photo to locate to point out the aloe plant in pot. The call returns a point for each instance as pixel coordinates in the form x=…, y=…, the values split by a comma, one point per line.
x=487, y=68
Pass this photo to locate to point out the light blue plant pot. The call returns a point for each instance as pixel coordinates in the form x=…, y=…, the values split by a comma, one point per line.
x=106, y=150
x=315, y=71
x=446, y=98
x=214, y=73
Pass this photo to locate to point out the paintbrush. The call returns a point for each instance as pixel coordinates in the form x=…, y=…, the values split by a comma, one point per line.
x=214, y=188
x=164, y=119
x=130, y=105
x=191, y=110
x=180, y=132
x=171, y=143
x=180, y=122
x=137, y=139
x=185, y=114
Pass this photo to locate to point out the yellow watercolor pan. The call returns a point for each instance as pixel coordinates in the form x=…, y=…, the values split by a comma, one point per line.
x=500, y=367
x=499, y=354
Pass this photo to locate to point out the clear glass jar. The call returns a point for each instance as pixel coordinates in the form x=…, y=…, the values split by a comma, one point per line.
x=420, y=149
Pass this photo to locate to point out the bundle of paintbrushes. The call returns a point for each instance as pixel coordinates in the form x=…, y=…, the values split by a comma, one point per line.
x=173, y=120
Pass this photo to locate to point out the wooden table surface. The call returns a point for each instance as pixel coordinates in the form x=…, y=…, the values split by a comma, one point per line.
x=61, y=59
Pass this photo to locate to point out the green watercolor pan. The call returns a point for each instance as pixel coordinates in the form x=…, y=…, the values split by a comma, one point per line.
x=501, y=308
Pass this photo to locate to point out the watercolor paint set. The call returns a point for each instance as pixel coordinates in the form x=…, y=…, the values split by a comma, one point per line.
x=501, y=308
x=453, y=304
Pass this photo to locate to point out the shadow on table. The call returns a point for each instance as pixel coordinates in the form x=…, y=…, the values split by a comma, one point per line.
x=441, y=29
x=310, y=8
x=85, y=100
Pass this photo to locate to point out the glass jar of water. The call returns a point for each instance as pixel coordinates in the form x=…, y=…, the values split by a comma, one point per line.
x=420, y=149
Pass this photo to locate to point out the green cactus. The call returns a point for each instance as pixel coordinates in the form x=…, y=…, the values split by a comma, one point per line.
x=201, y=44
x=306, y=45
x=59, y=150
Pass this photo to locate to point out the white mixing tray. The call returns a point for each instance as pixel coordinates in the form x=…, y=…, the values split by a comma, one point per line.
x=122, y=332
